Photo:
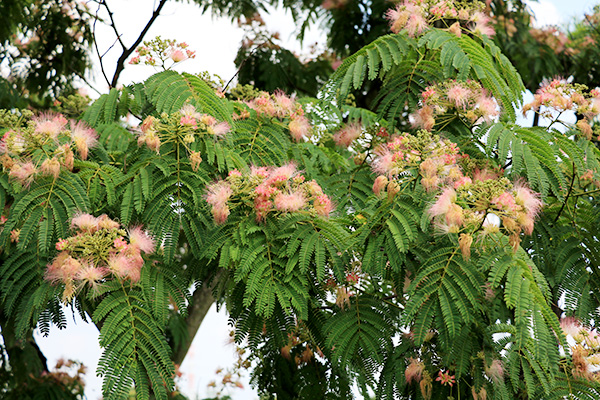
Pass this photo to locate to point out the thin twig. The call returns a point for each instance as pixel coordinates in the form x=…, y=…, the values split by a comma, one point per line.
x=96, y=45
x=113, y=25
x=566, y=198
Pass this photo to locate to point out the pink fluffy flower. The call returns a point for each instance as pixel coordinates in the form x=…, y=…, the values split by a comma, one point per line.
x=505, y=201
x=120, y=244
x=455, y=215
x=459, y=95
x=384, y=163
x=91, y=274
x=323, y=205
x=285, y=105
x=51, y=167
x=187, y=120
x=528, y=199
x=85, y=222
x=487, y=107
x=495, y=370
x=220, y=213
x=120, y=265
x=380, y=183
x=218, y=193
x=284, y=172
x=465, y=180
x=443, y=203
x=299, y=127
x=220, y=129
x=84, y=137
x=482, y=24
x=139, y=239
x=23, y=172
x=348, y=134
x=290, y=202
x=49, y=124
x=414, y=371
x=178, y=55
x=104, y=222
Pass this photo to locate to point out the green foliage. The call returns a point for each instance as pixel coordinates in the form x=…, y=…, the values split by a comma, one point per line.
x=446, y=268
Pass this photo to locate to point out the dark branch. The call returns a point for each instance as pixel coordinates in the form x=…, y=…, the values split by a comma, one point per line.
x=127, y=51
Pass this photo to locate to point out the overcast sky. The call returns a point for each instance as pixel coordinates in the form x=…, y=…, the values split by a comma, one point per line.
x=216, y=42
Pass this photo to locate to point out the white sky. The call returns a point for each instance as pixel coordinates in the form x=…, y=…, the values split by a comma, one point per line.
x=216, y=42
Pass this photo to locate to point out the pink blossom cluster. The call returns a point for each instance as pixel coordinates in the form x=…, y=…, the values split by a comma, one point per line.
x=558, y=95
x=585, y=348
x=348, y=134
x=267, y=189
x=417, y=16
x=184, y=126
x=441, y=102
x=158, y=51
x=278, y=105
x=483, y=206
x=435, y=159
x=20, y=146
x=99, y=249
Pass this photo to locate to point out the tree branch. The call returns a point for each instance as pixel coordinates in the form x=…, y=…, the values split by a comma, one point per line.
x=127, y=51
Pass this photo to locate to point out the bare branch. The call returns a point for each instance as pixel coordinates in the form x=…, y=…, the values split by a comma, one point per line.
x=96, y=44
x=127, y=51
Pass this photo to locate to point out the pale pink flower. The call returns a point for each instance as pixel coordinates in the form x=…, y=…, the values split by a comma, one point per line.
x=51, y=167
x=380, y=183
x=85, y=222
x=153, y=142
x=218, y=193
x=23, y=172
x=384, y=163
x=91, y=274
x=84, y=137
x=414, y=371
x=50, y=124
x=505, y=201
x=299, y=127
x=120, y=265
x=220, y=129
x=424, y=118
x=178, y=55
x=135, y=60
x=465, y=180
x=285, y=105
x=459, y=95
x=455, y=215
x=284, y=172
x=290, y=202
x=323, y=205
x=220, y=213
x=120, y=243
x=443, y=203
x=348, y=134
x=415, y=25
x=187, y=120
x=528, y=199
x=235, y=173
x=54, y=271
x=487, y=107
x=149, y=124
x=482, y=24
x=455, y=29
x=195, y=160
x=262, y=172
x=495, y=371
x=139, y=239
x=104, y=222
x=570, y=326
